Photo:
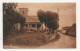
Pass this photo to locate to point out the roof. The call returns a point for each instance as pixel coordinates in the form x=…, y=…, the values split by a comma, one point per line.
x=23, y=8
x=32, y=19
x=67, y=27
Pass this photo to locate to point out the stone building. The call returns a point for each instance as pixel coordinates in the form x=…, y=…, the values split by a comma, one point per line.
x=32, y=22
x=24, y=12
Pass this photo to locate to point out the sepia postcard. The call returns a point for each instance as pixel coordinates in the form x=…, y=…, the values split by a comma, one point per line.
x=39, y=25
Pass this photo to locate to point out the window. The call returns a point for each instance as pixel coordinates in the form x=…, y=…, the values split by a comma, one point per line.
x=33, y=25
x=38, y=25
x=26, y=25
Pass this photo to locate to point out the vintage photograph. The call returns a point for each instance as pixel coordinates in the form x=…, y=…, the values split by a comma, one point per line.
x=39, y=25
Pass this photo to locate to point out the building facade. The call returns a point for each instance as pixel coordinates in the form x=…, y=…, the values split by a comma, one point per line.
x=32, y=22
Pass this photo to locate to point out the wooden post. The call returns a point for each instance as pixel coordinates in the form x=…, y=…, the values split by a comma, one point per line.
x=45, y=27
x=36, y=26
x=28, y=28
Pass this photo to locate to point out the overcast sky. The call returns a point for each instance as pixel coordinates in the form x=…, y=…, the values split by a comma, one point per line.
x=67, y=11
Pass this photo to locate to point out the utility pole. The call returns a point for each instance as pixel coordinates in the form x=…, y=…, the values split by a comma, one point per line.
x=58, y=11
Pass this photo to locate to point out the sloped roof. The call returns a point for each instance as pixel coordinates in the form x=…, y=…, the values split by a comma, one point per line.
x=32, y=19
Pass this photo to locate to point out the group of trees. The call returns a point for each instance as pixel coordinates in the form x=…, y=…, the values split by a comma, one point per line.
x=11, y=17
x=49, y=18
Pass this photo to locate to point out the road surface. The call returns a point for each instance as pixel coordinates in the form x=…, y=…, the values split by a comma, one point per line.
x=64, y=41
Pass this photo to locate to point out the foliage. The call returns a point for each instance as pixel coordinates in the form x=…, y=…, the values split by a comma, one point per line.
x=11, y=17
x=41, y=15
x=52, y=20
x=49, y=18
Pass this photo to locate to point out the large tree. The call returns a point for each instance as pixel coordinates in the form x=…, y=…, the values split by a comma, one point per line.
x=41, y=16
x=11, y=17
x=52, y=20
x=49, y=18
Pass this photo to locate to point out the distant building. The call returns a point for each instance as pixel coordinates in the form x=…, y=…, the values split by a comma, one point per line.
x=66, y=28
x=70, y=30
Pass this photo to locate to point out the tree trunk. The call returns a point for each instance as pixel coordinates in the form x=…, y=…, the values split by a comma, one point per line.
x=42, y=27
x=52, y=32
x=46, y=27
x=49, y=31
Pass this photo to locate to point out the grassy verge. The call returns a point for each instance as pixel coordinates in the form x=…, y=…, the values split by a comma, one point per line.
x=30, y=39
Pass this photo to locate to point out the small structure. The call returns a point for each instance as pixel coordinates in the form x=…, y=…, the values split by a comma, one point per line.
x=64, y=29
x=70, y=30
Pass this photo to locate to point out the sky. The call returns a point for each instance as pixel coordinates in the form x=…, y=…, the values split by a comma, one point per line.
x=67, y=11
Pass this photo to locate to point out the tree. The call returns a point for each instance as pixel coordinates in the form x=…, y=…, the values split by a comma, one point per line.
x=49, y=18
x=52, y=20
x=41, y=16
x=11, y=17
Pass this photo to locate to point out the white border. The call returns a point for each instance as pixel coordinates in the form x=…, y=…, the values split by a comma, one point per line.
x=39, y=1
x=43, y=1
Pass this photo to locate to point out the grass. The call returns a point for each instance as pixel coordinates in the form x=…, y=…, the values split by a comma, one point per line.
x=28, y=38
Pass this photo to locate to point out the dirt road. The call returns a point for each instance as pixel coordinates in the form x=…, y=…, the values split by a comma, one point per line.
x=65, y=41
